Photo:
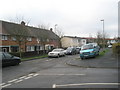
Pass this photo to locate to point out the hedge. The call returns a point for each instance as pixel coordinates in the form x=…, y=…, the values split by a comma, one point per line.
x=116, y=48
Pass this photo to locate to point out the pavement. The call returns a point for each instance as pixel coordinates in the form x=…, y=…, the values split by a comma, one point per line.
x=109, y=60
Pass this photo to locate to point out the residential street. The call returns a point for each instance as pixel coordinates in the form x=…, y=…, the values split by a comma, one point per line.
x=63, y=72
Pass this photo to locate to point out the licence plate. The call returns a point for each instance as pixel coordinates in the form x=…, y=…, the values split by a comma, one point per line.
x=85, y=55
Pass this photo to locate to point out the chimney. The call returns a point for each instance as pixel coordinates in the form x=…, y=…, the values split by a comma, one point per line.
x=51, y=29
x=23, y=23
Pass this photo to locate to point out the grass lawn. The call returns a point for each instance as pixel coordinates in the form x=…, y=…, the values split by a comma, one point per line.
x=35, y=57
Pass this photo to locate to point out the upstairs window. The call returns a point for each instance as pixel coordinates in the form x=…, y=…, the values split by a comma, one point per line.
x=4, y=37
x=13, y=38
x=29, y=39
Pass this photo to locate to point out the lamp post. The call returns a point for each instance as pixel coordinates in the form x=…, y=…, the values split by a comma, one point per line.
x=55, y=28
x=103, y=34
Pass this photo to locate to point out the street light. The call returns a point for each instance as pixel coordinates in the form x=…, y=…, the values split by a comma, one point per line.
x=55, y=28
x=103, y=33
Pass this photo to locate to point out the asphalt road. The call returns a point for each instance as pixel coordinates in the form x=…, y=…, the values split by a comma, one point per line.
x=55, y=73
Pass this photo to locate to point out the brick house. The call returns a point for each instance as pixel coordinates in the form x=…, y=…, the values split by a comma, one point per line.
x=35, y=39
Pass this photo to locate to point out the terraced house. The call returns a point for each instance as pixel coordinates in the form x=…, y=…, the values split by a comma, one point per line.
x=15, y=37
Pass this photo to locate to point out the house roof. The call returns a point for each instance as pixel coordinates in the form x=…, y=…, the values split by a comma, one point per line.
x=18, y=29
x=89, y=38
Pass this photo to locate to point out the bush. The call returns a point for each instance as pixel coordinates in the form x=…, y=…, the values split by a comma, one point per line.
x=116, y=48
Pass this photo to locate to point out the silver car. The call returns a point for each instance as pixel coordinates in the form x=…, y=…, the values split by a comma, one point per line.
x=56, y=53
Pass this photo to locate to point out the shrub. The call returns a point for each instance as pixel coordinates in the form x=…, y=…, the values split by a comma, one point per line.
x=116, y=48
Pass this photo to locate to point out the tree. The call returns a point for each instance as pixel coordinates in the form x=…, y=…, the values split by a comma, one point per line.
x=99, y=38
x=58, y=31
x=43, y=26
x=19, y=32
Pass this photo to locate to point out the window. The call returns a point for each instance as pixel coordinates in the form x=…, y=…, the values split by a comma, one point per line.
x=48, y=40
x=13, y=38
x=38, y=40
x=30, y=48
x=4, y=37
x=29, y=39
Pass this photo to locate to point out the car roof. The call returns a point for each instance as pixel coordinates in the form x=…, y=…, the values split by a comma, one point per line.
x=58, y=49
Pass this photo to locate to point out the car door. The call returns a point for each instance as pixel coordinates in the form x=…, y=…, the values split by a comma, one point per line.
x=7, y=59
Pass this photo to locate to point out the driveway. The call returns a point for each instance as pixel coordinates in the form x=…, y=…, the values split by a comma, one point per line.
x=106, y=61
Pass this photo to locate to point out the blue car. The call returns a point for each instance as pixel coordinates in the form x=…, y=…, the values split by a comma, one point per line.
x=89, y=50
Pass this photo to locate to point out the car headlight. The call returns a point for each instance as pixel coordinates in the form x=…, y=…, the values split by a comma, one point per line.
x=81, y=52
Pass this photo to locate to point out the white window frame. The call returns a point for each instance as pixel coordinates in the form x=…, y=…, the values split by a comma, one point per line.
x=13, y=38
x=4, y=37
x=29, y=39
x=30, y=48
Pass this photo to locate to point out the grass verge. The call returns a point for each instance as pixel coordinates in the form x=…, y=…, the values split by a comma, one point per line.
x=36, y=57
x=102, y=53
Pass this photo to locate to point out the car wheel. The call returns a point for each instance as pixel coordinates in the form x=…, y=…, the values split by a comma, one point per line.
x=58, y=56
x=81, y=58
x=17, y=63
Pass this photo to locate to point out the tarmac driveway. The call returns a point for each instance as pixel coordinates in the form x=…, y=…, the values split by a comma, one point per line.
x=106, y=61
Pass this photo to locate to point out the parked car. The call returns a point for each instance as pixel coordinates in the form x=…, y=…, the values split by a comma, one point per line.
x=109, y=46
x=78, y=49
x=8, y=59
x=65, y=51
x=56, y=53
x=89, y=50
x=71, y=51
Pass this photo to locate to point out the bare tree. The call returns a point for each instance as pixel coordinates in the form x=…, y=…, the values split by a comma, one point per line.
x=19, y=33
x=44, y=26
x=58, y=31
x=18, y=18
x=101, y=38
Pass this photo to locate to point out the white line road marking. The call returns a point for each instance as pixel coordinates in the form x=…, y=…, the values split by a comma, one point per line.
x=36, y=74
x=2, y=84
x=54, y=85
x=31, y=74
x=12, y=80
x=19, y=81
x=22, y=77
x=28, y=77
x=6, y=85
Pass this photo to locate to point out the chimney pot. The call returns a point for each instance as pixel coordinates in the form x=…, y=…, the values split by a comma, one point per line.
x=51, y=29
x=23, y=23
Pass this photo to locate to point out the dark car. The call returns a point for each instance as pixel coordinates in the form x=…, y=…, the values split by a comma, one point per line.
x=8, y=59
x=78, y=49
x=71, y=51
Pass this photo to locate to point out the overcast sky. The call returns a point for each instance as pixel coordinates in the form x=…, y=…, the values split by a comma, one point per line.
x=75, y=17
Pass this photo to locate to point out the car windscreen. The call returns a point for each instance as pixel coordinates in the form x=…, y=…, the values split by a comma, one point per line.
x=69, y=49
x=84, y=47
x=56, y=50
